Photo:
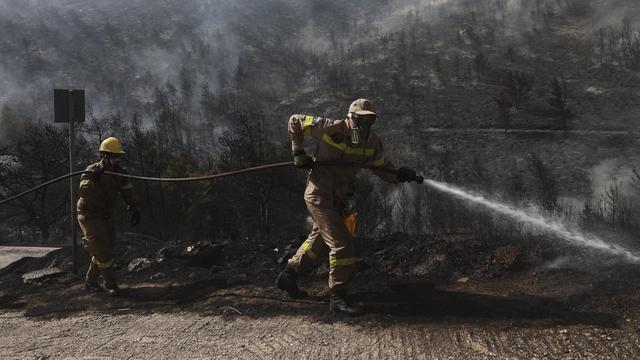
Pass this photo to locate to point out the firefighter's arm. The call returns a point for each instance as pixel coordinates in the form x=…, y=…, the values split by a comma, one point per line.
x=382, y=167
x=129, y=197
x=126, y=191
x=391, y=174
x=303, y=125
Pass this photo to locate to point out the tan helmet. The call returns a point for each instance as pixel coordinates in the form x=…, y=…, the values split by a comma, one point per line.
x=111, y=145
x=362, y=107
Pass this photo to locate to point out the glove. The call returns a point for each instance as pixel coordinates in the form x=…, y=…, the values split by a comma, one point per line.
x=406, y=174
x=95, y=174
x=135, y=216
x=302, y=160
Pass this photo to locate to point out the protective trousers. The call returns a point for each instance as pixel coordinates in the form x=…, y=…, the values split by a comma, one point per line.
x=98, y=240
x=329, y=233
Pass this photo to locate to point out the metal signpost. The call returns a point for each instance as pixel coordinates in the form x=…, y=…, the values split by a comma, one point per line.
x=69, y=107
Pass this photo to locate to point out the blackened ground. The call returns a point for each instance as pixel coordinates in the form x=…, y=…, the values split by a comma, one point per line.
x=446, y=297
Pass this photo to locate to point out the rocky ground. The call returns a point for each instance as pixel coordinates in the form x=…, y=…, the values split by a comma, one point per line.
x=452, y=297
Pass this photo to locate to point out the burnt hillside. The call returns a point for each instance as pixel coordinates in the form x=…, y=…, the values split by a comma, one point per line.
x=532, y=101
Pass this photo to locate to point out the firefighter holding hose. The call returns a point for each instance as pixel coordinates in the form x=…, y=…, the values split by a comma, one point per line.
x=329, y=188
x=98, y=194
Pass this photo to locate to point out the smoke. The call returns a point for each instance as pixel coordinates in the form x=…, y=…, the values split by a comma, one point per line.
x=118, y=50
x=610, y=13
x=609, y=172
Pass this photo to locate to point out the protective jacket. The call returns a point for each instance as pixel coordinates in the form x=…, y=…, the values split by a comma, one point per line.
x=98, y=198
x=331, y=185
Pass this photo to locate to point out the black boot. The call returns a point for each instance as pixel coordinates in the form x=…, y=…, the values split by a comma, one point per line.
x=339, y=303
x=287, y=281
x=110, y=283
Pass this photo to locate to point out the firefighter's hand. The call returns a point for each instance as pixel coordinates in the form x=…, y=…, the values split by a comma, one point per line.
x=135, y=216
x=302, y=160
x=406, y=174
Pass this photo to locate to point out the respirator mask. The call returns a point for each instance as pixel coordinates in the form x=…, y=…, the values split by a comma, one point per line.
x=360, y=126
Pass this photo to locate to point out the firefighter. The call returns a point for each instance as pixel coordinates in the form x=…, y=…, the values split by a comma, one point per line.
x=98, y=194
x=329, y=187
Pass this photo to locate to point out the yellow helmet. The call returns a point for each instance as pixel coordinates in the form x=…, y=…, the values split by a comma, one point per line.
x=111, y=145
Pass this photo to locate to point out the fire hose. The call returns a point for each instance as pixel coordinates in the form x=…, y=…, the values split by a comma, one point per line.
x=419, y=179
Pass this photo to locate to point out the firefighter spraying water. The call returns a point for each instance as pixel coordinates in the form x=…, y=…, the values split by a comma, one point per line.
x=343, y=148
x=329, y=189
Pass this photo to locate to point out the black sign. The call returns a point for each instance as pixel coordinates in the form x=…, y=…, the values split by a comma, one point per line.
x=64, y=100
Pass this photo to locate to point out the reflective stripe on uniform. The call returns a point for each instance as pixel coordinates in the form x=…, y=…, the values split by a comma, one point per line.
x=342, y=262
x=102, y=265
x=378, y=162
x=307, y=250
x=85, y=182
x=306, y=126
x=126, y=186
x=347, y=149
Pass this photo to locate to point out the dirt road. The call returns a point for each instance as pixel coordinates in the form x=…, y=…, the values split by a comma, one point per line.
x=225, y=321
x=188, y=335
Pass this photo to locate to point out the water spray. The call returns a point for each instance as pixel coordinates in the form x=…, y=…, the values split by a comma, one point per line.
x=573, y=236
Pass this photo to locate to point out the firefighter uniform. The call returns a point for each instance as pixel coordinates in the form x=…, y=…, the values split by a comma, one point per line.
x=328, y=190
x=97, y=200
